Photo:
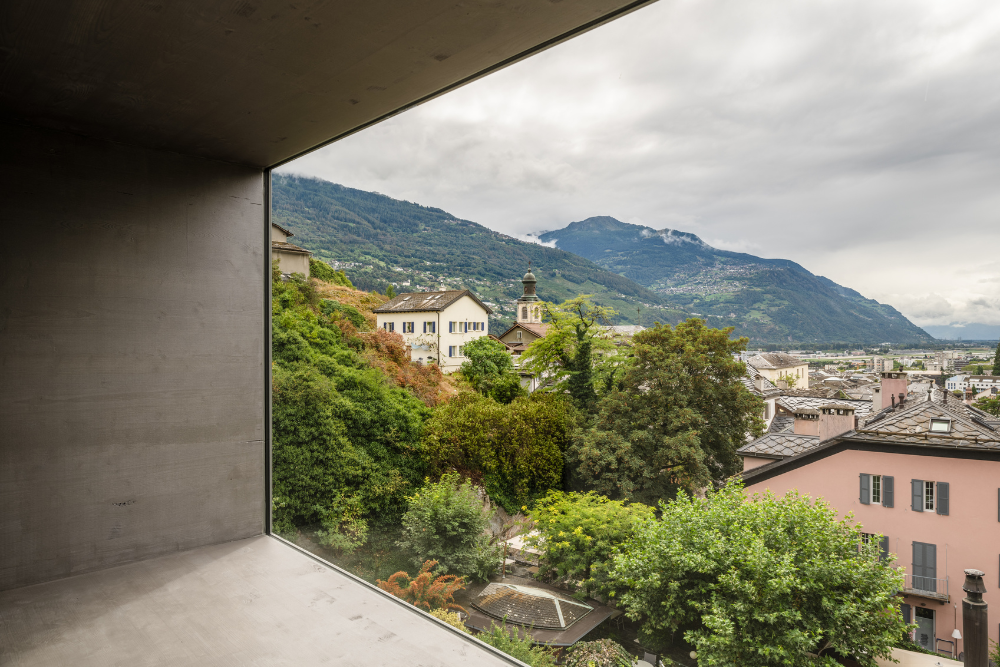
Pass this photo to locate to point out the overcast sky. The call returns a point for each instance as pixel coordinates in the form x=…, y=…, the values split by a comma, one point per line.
x=860, y=139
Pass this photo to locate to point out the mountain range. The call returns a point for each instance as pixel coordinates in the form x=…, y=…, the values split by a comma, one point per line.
x=644, y=274
x=765, y=299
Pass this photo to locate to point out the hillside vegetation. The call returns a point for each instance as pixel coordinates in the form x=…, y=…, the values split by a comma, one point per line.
x=767, y=300
x=378, y=240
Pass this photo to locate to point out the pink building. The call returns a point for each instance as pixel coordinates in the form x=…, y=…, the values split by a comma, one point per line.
x=924, y=474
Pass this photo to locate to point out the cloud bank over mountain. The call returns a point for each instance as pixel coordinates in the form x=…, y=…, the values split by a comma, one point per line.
x=856, y=138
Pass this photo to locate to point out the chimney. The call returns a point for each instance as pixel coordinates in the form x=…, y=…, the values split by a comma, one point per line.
x=835, y=420
x=806, y=422
x=974, y=620
x=970, y=394
x=893, y=384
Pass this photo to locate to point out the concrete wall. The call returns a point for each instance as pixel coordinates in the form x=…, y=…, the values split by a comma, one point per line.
x=968, y=537
x=131, y=349
x=291, y=262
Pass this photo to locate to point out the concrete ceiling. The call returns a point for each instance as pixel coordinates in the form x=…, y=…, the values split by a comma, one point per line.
x=259, y=82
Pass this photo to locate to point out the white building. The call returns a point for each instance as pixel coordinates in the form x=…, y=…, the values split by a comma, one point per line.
x=981, y=383
x=777, y=366
x=436, y=325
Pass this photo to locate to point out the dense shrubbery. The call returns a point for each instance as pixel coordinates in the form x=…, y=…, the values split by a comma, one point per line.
x=346, y=440
x=323, y=271
x=446, y=521
x=490, y=370
x=515, y=449
x=517, y=644
x=759, y=581
x=600, y=653
x=578, y=533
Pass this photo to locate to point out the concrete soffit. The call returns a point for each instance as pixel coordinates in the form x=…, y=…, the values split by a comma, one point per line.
x=259, y=82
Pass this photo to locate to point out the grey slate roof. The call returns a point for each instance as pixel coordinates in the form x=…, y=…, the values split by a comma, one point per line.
x=288, y=247
x=779, y=445
x=782, y=423
x=750, y=379
x=796, y=403
x=418, y=302
x=774, y=360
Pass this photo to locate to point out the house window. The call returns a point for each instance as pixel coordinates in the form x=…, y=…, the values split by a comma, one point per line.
x=429, y=327
x=940, y=426
x=928, y=496
x=876, y=489
x=389, y=326
x=451, y=350
x=524, y=312
x=461, y=350
x=407, y=327
x=519, y=335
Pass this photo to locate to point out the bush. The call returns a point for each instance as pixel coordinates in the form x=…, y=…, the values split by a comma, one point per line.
x=446, y=522
x=760, y=581
x=451, y=618
x=323, y=271
x=516, y=449
x=490, y=370
x=425, y=590
x=518, y=647
x=600, y=653
x=580, y=532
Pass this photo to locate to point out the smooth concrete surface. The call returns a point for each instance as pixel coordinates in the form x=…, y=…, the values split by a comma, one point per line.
x=253, y=602
x=258, y=81
x=131, y=354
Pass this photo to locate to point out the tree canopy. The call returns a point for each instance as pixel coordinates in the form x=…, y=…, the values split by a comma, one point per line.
x=760, y=581
x=675, y=419
x=490, y=370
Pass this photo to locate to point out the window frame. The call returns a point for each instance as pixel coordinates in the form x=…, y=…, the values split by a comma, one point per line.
x=876, y=489
x=931, y=488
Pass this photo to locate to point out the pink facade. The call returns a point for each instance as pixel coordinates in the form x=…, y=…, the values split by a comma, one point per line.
x=893, y=386
x=967, y=537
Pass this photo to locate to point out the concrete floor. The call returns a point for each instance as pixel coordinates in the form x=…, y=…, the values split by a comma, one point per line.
x=252, y=602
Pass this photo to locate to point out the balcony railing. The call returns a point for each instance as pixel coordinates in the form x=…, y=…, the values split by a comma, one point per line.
x=928, y=587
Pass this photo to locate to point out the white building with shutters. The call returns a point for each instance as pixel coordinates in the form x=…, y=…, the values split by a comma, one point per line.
x=436, y=325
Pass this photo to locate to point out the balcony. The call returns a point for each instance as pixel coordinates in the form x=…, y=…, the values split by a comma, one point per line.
x=926, y=587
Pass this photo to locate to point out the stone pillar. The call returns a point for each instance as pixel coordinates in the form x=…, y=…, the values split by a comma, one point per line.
x=974, y=629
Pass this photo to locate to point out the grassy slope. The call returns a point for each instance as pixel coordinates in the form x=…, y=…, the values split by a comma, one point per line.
x=388, y=240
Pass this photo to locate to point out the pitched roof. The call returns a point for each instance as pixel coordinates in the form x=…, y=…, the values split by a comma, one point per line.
x=782, y=424
x=536, y=329
x=752, y=377
x=416, y=302
x=779, y=445
x=774, y=360
x=286, y=232
x=288, y=247
x=798, y=403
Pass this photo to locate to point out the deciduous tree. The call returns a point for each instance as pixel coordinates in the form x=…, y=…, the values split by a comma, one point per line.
x=676, y=420
x=760, y=581
x=490, y=370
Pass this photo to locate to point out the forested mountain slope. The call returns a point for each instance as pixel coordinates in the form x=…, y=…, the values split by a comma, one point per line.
x=378, y=240
x=769, y=300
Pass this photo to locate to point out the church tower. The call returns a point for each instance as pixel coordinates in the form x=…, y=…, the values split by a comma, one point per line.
x=528, y=310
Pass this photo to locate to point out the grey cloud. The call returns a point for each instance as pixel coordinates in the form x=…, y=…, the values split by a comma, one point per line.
x=856, y=138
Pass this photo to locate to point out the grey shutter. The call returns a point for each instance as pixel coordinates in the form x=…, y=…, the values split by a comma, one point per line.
x=883, y=548
x=917, y=491
x=930, y=560
x=942, y=498
x=907, y=613
x=887, y=491
x=866, y=489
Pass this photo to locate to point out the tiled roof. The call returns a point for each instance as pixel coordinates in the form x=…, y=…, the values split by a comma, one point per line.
x=796, y=403
x=815, y=392
x=288, y=247
x=911, y=425
x=417, y=302
x=779, y=445
x=751, y=379
x=530, y=606
x=782, y=423
x=286, y=232
x=774, y=360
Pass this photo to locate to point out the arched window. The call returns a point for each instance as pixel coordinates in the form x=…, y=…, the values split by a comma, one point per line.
x=524, y=312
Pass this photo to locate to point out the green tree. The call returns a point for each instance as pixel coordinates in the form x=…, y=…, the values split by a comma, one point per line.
x=996, y=361
x=579, y=532
x=490, y=370
x=989, y=404
x=516, y=449
x=445, y=522
x=760, y=581
x=564, y=358
x=676, y=420
x=600, y=653
x=390, y=291
x=323, y=271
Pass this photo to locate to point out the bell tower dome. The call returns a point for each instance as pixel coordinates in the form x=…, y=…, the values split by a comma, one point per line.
x=528, y=310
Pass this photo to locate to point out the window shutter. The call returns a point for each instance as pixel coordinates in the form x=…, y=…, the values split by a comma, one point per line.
x=883, y=548
x=917, y=493
x=930, y=560
x=942, y=498
x=887, y=491
x=451, y=327
x=918, y=561
x=425, y=327
x=907, y=613
x=466, y=327
x=866, y=489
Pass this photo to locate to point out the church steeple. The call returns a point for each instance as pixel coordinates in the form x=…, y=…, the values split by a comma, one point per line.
x=528, y=310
